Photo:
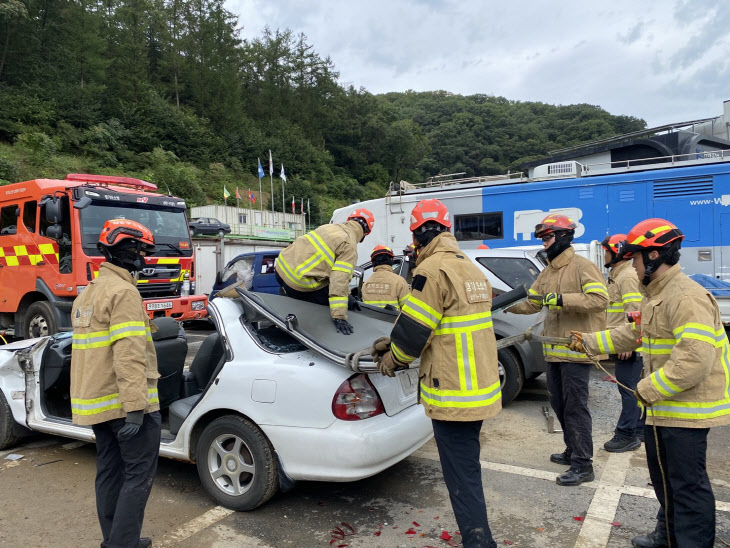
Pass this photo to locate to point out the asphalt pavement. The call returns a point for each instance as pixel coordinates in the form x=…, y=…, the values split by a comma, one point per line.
x=47, y=496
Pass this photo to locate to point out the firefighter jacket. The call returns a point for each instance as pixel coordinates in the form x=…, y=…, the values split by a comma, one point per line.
x=325, y=256
x=385, y=287
x=447, y=321
x=623, y=294
x=113, y=363
x=686, y=375
x=585, y=299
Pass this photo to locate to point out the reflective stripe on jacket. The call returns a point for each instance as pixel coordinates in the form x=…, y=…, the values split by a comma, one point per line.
x=113, y=363
x=447, y=321
x=385, y=287
x=623, y=294
x=685, y=351
x=324, y=256
x=585, y=299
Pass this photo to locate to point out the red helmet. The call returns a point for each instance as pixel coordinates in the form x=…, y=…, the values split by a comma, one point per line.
x=381, y=250
x=368, y=219
x=429, y=210
x=116, y=231
x=610, y=243
x=649, y=234
x=554, y=223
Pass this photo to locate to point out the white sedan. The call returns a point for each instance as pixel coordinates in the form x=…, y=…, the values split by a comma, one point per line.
x=275, y=395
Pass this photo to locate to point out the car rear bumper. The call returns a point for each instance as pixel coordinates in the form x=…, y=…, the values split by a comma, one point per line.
x=350, y=450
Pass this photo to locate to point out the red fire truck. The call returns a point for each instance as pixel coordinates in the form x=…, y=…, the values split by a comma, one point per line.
x=48, y=234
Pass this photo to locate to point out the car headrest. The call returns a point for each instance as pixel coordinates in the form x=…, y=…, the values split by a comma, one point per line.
x=167, y=328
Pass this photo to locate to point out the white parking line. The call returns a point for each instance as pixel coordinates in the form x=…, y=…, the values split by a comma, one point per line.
x=197, y=525
x=596, y=528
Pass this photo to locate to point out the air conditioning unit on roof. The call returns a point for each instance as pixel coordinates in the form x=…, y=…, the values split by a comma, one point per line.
x=558, y=170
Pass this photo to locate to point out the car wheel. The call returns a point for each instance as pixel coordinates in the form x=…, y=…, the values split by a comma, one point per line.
x=511, y=375
x=40, y=320
x=236, y=463
x=7, y=438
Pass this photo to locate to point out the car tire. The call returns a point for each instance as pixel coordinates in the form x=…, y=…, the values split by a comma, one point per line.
x=511, y=375
x=40, y=320
x=236, y=463
x=7, y=438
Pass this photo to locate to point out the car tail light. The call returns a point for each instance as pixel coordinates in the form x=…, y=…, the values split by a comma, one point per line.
x=356, y=399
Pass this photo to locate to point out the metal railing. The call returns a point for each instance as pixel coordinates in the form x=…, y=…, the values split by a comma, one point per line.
x=659, y=161
x=438, y=182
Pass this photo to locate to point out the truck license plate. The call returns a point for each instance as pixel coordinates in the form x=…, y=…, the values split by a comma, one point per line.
x=159, y=306
x=408, y=381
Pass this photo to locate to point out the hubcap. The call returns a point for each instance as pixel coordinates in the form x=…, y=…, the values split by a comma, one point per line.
x=502, y=375
x=37, y=327
x=231, y=464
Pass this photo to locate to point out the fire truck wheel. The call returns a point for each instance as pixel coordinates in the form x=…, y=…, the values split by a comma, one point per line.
x=39, y=320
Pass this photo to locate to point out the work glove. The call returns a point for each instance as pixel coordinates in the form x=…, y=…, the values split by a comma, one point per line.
x=131, y=425
x=343, y=326
x=576, y=342
x=553, y=300
x=388, y=365
x=641, y=400
x=380, y=347
x=353, y=303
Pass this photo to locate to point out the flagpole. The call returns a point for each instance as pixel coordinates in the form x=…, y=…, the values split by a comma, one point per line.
x=309, y=214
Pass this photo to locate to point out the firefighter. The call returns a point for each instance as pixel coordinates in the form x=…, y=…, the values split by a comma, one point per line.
x=318, y=266
x=447, y=321
x=573, y=291
x=384, y=287
x=114, y=383
x=624, y=298
x=685, y=382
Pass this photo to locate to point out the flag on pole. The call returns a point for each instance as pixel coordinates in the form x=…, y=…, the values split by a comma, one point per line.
x=271, y=164
x=301, y=207
x=226, y=194
x=293, y=204
x=282, y=174
x=261, y=170
x=238, y=195
x=251, y=196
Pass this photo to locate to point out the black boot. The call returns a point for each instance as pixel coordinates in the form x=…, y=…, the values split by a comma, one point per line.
x=576, y=476
x=561, y=458
x=477, y=538
x=655, y=539
x=621, y=443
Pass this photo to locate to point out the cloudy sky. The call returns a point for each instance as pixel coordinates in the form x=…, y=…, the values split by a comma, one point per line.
x=660, y=60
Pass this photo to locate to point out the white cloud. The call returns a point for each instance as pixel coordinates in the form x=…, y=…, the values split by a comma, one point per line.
x=661, y=61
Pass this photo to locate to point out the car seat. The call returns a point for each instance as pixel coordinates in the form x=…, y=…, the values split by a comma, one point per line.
x=171, y=352
x=209, y=357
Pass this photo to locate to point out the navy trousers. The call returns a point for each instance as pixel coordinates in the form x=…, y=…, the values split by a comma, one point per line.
x=458, y=446
x=568, y=387
x=690, y=500
x=125, y=471
x=628, y=372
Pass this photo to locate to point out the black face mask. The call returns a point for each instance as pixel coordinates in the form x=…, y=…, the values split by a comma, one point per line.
x=563, y=238
x=668, y=255
x=427, y=236
x=127, y=256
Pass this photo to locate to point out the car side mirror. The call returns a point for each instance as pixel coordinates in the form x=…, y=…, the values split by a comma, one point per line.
x=83, y=202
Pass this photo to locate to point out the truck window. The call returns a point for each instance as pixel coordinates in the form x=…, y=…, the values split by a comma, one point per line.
x=29, y=215
x=511, y=271
x=9, y=219
x=267, y=264
x=65, y=263
x=478, y=226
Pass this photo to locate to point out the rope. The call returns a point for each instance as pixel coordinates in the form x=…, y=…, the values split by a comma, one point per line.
x=595, y=361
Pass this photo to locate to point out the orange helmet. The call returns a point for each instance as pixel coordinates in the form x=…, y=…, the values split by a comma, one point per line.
x=366, y=217
x=650, y=234
x=610, y=243
x=381, y=250
x=554, y=223
x=429, y=210
x=116, y=231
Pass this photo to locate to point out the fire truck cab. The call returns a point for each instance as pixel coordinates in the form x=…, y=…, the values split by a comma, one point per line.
x=48, y=255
